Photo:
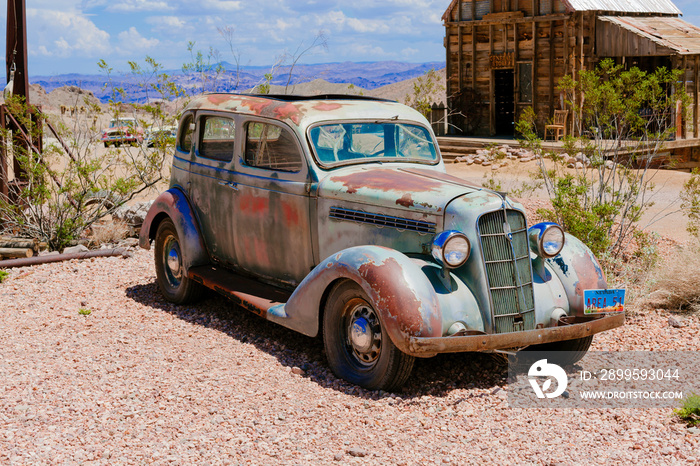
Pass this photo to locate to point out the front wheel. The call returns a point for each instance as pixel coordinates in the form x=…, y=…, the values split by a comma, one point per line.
x=170, y=271
x=357, y=345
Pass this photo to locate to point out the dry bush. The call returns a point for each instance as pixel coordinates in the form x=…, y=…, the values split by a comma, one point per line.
x=678, y=284
x=108, y=232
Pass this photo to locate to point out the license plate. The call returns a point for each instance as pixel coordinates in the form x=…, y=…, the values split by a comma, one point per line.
x=603, y=301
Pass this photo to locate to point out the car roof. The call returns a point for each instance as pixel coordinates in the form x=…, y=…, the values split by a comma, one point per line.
x=303, y=111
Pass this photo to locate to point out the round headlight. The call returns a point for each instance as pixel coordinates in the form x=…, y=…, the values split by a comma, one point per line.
x=451, y=248
x=551, y=241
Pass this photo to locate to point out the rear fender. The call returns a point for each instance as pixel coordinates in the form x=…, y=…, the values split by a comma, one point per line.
x=578, y=270
x=173, y=203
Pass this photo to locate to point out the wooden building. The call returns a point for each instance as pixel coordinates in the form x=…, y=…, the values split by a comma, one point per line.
x=506, y=55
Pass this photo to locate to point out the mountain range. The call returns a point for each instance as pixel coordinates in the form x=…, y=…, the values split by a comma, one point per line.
x=366, y=75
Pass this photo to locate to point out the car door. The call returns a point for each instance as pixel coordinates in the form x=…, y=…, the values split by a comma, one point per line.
x=212, y=186
x=272, y=228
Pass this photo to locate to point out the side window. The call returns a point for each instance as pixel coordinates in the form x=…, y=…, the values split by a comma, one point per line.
x=217, y=138
x=184, y=142
x=272, y=147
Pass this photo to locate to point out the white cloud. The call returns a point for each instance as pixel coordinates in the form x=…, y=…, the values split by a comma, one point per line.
x=221, y=5
x=365, y=26
x=63, y=34
x=409, y=52
x=131, y=6
x=134, y=43
x=168, y=25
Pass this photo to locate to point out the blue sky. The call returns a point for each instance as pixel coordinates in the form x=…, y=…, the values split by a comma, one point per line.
x=70, y=36
x=66, y=36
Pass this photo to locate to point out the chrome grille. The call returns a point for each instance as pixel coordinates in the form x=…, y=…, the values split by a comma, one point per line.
x=508, y=269
x=382, y=220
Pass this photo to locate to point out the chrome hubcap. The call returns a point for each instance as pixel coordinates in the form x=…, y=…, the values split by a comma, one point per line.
x=173, y=260
x=361, y=335
x=364, y=333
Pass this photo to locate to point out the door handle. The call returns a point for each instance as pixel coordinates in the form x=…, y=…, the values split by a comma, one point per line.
x=229, y=184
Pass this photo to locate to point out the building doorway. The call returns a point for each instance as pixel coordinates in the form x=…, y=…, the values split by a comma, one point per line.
x=505, y=104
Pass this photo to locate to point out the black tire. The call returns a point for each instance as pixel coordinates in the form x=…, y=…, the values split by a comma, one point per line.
x=106, y=144
x=170, y=274
x=370, y=360
x=562, y=352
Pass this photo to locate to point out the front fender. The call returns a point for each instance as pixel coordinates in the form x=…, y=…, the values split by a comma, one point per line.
x=578, y=270
x=173, y=203
x=395, y=284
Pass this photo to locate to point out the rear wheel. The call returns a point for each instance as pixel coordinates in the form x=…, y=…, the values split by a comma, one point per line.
x=357, y=345
x=563, y=352
x=170, y=271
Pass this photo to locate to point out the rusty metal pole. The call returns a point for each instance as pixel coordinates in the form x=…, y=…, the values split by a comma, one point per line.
x=16, y=47
x=16, y=69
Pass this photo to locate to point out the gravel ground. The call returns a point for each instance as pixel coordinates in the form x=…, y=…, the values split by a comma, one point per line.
x=140, y=381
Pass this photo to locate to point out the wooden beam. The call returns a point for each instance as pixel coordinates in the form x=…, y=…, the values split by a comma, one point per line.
x=448, y=66
x=3, y=154
x=696, y=106
x=460, y=64
x=551, y=67
x=527, y=19
x=534, y=66
x=474, y=56
x=492, y=97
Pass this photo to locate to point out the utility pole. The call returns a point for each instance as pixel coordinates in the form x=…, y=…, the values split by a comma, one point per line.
x=16, y=48
x=22, y=141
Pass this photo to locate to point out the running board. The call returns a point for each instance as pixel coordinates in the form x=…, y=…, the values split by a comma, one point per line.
x=250, y=294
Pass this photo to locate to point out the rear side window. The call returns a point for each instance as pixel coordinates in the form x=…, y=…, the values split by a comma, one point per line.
x=184, y=142
x=217, y=137
x=272, y=147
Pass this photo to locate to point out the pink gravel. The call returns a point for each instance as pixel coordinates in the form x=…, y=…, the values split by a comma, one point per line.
x=141, y=381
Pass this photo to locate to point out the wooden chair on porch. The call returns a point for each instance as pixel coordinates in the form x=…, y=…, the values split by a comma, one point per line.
x=558, y=126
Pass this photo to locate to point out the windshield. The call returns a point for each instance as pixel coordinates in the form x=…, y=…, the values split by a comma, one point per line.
x=362, y=142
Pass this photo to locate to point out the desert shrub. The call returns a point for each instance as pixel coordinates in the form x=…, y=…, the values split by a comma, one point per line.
x=111, y=231
x=690, y=202
x=676, y=287
x=689, y=412
x=423, y=89
x=66, y=189
x=622, y=124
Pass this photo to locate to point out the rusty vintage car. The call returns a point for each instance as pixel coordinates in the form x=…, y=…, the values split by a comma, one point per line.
x=122, y=130
x=334, y=216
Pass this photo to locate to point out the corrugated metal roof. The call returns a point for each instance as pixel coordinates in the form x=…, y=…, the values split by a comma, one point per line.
x=673, y=33
x=625, y=6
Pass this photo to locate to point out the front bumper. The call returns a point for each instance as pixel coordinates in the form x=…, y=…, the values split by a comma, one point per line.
x=569, y=329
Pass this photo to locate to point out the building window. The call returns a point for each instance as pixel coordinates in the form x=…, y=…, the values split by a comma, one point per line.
x=525, y=73
x=483, y=7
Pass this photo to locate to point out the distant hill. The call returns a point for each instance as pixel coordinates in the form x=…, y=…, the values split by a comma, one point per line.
x=366, y=76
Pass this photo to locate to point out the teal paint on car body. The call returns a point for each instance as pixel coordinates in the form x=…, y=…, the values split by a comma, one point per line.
x=323, y=212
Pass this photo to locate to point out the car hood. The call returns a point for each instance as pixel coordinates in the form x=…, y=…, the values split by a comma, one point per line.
x=417, y=189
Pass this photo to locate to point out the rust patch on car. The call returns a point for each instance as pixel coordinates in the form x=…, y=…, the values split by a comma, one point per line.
x=327, y=107
x=387, y=180
x=256, y=106
x=254, y=205
x=404, y=308
x=589, y=273
x=291, y=214
x=218, y=99
x=288, y=111
x=405, y=200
